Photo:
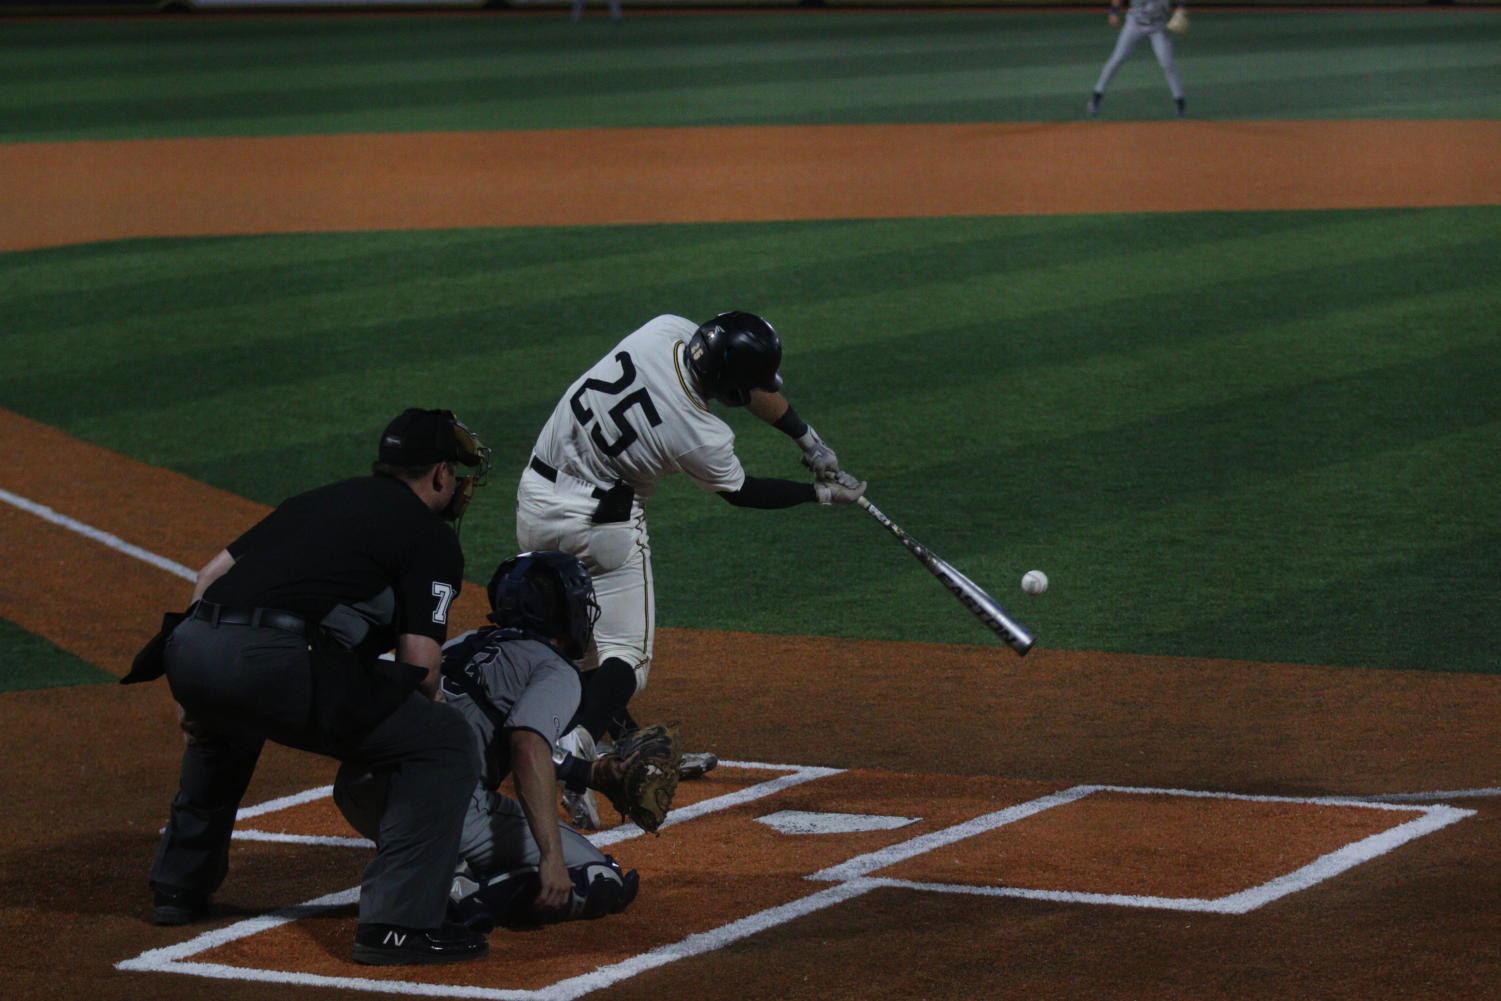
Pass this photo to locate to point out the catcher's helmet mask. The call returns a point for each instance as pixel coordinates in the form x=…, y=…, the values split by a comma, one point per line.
x=733, y=354
x=548, y=594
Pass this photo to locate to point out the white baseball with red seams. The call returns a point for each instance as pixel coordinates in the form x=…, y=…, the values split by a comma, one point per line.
x=1034, y=582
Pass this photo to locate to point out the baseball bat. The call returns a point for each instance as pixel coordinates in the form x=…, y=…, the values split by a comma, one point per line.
x=970, y=595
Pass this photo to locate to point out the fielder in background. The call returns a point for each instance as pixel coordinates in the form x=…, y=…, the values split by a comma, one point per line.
x=284, y=641
x=516, y=685
x=640, y=413
x=1152, y=19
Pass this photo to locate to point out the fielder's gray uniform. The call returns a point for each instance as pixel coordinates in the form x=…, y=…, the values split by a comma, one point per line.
x=1145, y=18
x=529, y=686
x=632, y=419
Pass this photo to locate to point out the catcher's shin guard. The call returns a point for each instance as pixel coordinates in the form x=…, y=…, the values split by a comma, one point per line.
x=599, y=888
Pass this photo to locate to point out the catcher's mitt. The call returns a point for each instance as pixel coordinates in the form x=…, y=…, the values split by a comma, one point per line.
x=646, y=786
x=1178, y=23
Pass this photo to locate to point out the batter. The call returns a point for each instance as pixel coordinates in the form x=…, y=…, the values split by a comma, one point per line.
x=640, y=413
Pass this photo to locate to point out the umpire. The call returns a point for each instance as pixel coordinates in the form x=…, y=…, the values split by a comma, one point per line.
x=283, y=641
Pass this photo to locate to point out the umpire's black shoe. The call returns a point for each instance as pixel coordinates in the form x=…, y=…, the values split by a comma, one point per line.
x=393, y=945
x=177, y=907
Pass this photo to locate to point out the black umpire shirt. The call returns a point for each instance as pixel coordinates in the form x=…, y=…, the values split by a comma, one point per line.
x=365, y=558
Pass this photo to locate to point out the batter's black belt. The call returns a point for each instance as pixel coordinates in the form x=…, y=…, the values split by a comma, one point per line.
x=614, y=503
x=545, y=471
x=229, y=615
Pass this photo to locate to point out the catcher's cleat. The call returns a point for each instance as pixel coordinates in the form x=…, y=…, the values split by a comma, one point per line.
x=393, y=945
x=178, y=907
x=694, y=766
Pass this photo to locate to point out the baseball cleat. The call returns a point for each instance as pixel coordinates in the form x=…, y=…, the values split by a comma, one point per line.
x=694, y=766
x=393, y=945
x=581, y=809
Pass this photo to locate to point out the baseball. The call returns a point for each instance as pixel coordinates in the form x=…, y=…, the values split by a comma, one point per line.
x=1034, y=582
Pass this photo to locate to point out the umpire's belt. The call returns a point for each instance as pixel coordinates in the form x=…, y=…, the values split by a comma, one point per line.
x=229, y=615
x=545, y=471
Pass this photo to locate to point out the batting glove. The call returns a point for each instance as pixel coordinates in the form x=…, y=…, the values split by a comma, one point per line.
x=817, y=455
x=843, y=489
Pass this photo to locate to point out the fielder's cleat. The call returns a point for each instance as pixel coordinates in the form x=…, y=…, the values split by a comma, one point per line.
x=582, y=811
x=393, y=945
x=1182, y=106
x=580, y=807
x=178, y=907
x=1092, y=109
x=694, y=766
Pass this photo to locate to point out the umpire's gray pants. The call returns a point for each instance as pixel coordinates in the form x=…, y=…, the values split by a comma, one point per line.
x=244, y=685
x=496, y=837
x=1162, y=46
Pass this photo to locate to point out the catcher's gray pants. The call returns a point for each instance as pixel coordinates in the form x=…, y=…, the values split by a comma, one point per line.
x=1162, y=46
x=496, y=836
x=244, y=684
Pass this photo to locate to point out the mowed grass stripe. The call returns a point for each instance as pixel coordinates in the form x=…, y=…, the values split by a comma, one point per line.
x=1210, y=510
x=1407, y=589
x=32, y=662
x=67, y=316
x=285, y=75
x=1099, y=397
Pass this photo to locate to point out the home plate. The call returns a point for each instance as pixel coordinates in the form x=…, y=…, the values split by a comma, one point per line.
x=805, y=822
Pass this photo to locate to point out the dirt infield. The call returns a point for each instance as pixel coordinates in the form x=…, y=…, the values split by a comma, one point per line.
x=191, y=187
x=1116, y=893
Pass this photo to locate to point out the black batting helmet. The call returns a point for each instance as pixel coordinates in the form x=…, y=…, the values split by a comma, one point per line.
x=548, y=593
x=733, y=354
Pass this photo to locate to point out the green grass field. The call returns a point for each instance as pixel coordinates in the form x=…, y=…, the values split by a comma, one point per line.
x=1273, y=436
x=271, y=76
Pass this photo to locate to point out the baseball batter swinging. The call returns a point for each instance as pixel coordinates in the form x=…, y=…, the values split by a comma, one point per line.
x=640, y=413
x=1149, y=19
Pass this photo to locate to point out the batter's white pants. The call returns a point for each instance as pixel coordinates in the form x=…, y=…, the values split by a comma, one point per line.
x=618, y=557
x=1162, y=46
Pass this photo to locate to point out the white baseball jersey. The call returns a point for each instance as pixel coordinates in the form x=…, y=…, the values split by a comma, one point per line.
x=633, y=416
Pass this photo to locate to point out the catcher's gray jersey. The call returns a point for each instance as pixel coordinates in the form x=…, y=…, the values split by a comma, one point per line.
x=528, y=683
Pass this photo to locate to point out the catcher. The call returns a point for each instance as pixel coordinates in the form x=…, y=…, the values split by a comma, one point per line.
x=517, y=686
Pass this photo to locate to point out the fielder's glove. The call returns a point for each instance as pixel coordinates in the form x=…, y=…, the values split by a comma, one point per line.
x=817, y=455
x=1178, y=23
x=641, y=774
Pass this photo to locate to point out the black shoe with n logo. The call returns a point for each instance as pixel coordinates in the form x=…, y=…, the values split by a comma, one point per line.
x=393, y=945
x=177, y=907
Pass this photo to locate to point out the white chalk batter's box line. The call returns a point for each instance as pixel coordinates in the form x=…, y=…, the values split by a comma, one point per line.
x=850, y=879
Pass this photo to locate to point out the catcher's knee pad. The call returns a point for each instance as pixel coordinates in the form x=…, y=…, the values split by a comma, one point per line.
x=600, y=887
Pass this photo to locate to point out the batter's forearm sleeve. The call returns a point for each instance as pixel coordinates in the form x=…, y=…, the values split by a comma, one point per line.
x=790, y=424
x=768, y=493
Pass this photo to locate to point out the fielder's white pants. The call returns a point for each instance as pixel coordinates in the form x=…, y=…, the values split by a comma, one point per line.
x=618, y=557
x=1162, y=45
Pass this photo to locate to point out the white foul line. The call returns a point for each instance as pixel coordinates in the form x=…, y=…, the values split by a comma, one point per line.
x=88, y=531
